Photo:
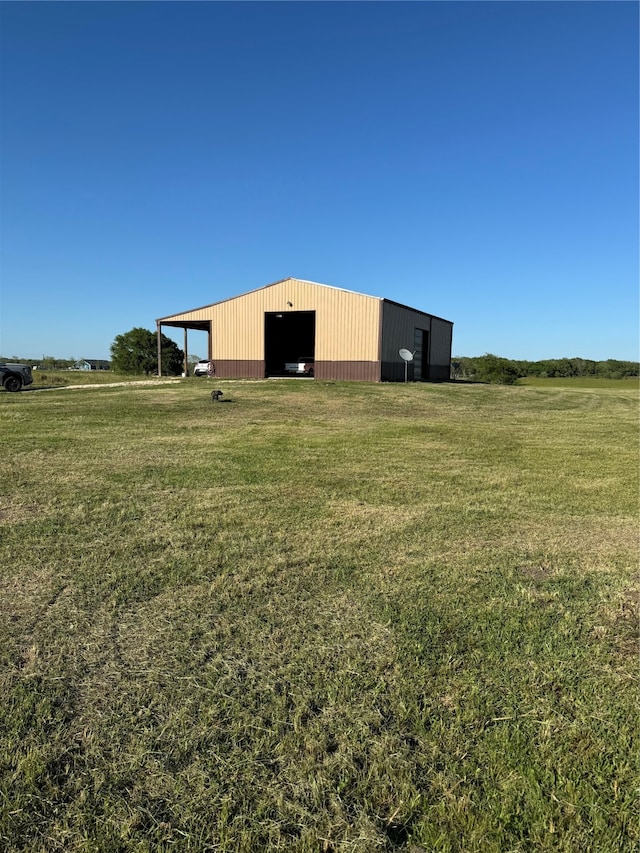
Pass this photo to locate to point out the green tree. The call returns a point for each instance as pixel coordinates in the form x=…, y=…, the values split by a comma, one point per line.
x=492, y=368
x=136, y=352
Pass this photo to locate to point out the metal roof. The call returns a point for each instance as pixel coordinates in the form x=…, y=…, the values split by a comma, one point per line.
x=165, y=320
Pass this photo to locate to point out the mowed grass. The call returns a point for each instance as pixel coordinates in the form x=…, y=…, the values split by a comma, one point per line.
x=629, y=382
x=319, y=617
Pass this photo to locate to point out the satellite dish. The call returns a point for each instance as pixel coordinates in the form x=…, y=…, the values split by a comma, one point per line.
x=406, y=355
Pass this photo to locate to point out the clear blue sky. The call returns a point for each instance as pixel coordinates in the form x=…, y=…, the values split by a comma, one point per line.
x=478, y=161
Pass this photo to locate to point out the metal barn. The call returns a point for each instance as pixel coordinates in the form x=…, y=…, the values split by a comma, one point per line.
x=301, y=328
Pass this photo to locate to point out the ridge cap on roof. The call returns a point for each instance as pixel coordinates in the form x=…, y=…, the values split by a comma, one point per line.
x=332, y=286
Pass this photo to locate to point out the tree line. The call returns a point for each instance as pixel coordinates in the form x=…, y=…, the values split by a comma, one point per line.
x=136, y=352
x=493, y=368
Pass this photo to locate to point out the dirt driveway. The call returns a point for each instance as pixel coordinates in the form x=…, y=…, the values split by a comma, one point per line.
x=106, y=385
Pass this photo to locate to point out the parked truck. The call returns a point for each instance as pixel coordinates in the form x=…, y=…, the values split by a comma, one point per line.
x=13, y=377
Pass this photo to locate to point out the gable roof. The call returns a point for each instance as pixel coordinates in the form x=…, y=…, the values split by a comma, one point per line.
x=303, y=281
x=265, y=287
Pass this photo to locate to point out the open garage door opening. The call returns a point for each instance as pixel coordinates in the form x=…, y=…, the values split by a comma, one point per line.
x=289, y=343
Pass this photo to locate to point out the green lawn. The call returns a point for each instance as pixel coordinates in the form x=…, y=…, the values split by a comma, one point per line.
x=580, y=382
x=319, y=617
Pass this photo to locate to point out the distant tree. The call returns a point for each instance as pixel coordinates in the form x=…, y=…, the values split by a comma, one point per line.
x=49, y=362
x=614, y=369
x=492, y=368
x=136, y=352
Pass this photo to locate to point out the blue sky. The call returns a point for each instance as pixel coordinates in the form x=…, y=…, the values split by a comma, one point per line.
x=478, y=161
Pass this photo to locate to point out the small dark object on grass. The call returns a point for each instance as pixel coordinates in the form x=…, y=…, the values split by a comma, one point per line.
x=215, y=396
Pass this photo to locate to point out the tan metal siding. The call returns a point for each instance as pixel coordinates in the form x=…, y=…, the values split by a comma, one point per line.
x=238, y=331
x=347, y=327
x=346, y=323
x=188, y=316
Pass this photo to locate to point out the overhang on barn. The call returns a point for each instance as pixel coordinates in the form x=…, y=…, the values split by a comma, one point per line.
x=301, y=328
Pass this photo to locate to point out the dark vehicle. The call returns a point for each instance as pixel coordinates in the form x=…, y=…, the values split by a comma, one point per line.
x=14, y=377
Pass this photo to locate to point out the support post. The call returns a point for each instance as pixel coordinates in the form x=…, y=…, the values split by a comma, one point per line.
x=159, y=337
x=186, y=354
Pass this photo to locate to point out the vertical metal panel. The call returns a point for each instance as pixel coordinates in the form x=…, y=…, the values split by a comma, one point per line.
x=398, y=329
x=346, y=323
x=199, y=314
x=399, y=326
x=441, y=339
x=420, y=354
x=361, y=371
x=392, y=371
x=239, y=369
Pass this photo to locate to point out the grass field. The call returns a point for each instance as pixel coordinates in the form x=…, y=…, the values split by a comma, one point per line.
x=319, y=617
x=60, y=378
x=575, y=382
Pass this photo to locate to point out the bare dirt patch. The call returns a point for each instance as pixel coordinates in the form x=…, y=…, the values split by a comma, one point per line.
x=536, y=571
x=13, y=514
